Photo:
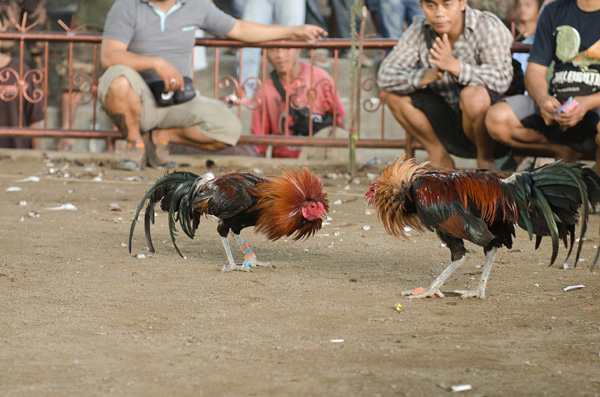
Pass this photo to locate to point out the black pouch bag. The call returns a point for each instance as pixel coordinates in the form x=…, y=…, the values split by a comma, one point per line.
x=168, y=98
x=301, y=117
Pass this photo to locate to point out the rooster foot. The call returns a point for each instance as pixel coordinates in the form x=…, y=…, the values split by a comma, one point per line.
x=255, y=263
x=423, y=293
x=467, y=293
x=235, y=267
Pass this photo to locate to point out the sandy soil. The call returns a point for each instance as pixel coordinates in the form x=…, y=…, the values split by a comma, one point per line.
x=81, y=316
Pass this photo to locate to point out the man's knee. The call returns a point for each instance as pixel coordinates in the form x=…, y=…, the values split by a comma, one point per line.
x=119, y=87
x=399, y=106
x=474, y=100
x=499, y=121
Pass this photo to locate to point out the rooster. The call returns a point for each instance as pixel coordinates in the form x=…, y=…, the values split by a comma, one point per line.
x=482, y=207
x=290, y=205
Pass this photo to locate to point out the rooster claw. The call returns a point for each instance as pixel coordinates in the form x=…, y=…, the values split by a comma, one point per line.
x=235, y=267
x=255, y=263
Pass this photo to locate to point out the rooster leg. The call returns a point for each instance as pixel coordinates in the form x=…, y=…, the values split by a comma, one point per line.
x=480, y=291
x=249, y=256
x=434, y=287
x=231, y=265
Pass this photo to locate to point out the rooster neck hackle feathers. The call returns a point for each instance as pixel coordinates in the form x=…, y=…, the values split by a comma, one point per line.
x=280, y=202
x=391, y=193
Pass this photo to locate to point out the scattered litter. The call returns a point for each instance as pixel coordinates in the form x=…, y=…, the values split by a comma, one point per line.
x=64, y=207
x=34, y=215
x=123, y=244
x=13, y=189
x=336, y=340
x=30, y=179
x=22, y=203
x=573, y=287
x=398, y=307
x=115, y=207
x=337, y=202
x=367, y=212
x=347, y=187
x=141, y=256
x=258, y=171
x=22, y=219
x=458, y=388
x=513, y=250
x=373, y=160
x=97, y=179
x=586, y=309
x=133, y=179
x=407, y=229
x=366, y=227
x=371, y=176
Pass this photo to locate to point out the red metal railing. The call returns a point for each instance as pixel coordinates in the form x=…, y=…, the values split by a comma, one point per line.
x=375, y=102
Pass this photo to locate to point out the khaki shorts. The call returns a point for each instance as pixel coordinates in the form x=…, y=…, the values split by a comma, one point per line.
x=212, y=117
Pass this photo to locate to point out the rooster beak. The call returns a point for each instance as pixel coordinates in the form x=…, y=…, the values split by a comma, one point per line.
x=324, y=216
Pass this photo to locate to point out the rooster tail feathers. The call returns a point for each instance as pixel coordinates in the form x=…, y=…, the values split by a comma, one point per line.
x=168, y=189
x=550, y=200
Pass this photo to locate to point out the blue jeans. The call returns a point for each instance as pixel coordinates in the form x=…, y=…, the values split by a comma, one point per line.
x=281, y=12
x=394, y=13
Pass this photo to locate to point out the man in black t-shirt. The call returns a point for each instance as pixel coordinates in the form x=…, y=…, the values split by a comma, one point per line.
x=561, y=114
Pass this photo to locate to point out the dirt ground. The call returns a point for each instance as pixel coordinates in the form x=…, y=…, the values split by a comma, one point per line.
x=79, y=315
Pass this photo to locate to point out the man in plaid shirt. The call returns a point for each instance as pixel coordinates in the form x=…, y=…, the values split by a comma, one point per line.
x=443, y=75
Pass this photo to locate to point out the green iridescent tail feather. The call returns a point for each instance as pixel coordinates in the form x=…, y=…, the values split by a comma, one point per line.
x=173, y=189
x=549, y=200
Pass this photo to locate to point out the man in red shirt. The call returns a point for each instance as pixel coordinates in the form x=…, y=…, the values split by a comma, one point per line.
x=302, y=79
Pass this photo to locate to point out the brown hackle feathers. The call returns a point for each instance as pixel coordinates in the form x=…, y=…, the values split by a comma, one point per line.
x=280, y=203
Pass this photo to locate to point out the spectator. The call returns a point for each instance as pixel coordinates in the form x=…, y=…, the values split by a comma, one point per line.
x=297, y=92
x=92, y=14
x=32, y=113
x=151, y=43
x=503, y=9
x=340, y=20
x=443, y=75
x=527, y=17
x=267, y=12
x=237, y=8
x=37, y=13
x=567, y=34
x=395, y=13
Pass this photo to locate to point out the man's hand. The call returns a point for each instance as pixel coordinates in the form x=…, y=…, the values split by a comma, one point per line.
x=168, y=74
x=549, y=109
x=442, y=58
x=307, y=32
x=431, y=75
x=568, y=120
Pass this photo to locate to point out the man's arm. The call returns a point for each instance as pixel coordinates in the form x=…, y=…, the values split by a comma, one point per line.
x=114, y=52
x=537, y=88
x=251, y=32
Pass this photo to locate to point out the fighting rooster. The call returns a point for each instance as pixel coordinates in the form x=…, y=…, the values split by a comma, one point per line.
x=482, y=207
x=290, y=205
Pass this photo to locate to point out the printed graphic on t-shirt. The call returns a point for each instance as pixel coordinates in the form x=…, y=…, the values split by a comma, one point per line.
x=579, y=72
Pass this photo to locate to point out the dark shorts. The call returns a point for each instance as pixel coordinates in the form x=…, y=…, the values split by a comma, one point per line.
x=581, y=136
x=447, y=123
